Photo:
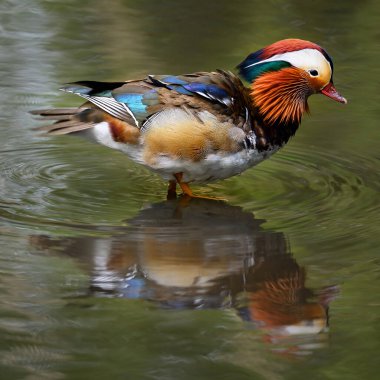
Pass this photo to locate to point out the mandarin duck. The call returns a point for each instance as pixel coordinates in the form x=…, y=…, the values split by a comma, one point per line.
x=206, y=126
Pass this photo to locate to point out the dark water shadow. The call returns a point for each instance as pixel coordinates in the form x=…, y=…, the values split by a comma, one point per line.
x=204, y=254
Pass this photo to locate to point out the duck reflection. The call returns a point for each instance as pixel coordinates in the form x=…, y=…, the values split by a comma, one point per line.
x=203, y=254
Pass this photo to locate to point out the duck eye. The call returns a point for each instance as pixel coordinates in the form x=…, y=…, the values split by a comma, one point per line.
x=313, y=73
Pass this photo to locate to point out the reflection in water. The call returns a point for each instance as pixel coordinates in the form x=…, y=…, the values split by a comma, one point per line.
x=205, y=254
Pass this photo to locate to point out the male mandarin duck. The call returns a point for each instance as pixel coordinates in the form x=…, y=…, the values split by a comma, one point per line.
x=206, y=126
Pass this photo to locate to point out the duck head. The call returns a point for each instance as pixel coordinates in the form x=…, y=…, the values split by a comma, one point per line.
x=283, y=75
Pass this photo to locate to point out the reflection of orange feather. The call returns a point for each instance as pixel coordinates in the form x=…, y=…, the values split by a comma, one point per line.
x=274, y=315
x=280, y=95
x=280, y=302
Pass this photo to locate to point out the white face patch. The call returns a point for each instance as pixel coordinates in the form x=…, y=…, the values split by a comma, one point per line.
x=305, y=59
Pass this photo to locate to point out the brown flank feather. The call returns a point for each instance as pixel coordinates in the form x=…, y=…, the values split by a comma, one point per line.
x=121, y=131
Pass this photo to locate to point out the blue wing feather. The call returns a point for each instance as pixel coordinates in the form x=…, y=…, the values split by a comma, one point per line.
x=209, y=91
x=180, y=89
x=134, y=102
x=172, y=79
x=127, y=100
x=192, y=87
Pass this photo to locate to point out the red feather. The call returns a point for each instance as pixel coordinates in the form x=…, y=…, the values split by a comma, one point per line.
x=290, y=44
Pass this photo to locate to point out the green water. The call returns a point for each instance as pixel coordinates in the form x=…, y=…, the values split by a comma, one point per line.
x=101, y=278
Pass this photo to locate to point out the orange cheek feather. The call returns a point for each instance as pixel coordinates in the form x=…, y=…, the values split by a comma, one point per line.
x=281, y=95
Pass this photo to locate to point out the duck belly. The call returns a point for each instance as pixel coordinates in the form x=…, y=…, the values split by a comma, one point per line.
x=212, y=168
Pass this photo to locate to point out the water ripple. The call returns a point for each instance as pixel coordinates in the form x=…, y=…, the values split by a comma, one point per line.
x=301, y=186
x=90, y=186
x=65, y=186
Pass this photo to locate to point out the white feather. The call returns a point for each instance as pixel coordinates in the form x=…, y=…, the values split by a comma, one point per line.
x=214, y=167
x=101, y=134
x=304, y=59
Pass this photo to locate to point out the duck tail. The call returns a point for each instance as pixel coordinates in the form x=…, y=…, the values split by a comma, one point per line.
x=66, y=120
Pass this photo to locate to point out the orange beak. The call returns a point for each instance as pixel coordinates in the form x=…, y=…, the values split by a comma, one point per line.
x=332, y=93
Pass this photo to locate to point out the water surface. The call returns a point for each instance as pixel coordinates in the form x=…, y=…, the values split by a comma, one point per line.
x=101, y=277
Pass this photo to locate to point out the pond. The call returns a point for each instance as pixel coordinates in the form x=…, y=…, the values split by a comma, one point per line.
x=101, y=277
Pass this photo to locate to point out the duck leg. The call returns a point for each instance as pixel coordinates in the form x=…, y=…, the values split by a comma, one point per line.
x=187, y=191
x=183, y=185
x=172, y=190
